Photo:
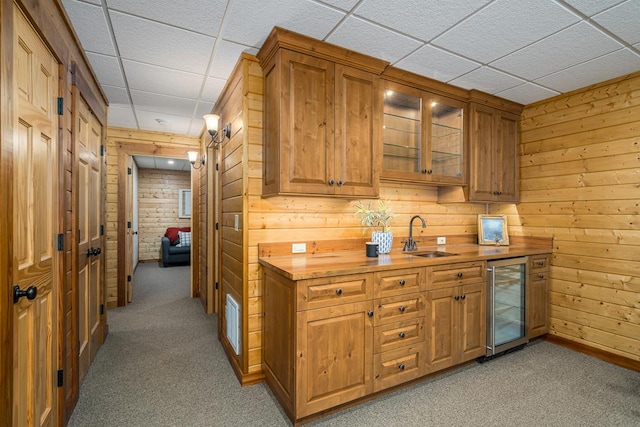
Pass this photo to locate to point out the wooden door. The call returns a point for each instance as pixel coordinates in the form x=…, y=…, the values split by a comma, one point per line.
x=482, y=135
x=357, y=132
x=35, y=222
x=473, y=322
x=306, y=125
x=88, y=132
x=507, y=157
x=441, y=328
x=334, y=356
x=129, y=230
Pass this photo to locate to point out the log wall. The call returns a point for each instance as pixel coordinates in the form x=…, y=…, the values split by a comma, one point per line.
x=158, y=208
x=580, y=175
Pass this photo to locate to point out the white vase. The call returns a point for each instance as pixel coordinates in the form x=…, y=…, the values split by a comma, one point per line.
x=384, y=239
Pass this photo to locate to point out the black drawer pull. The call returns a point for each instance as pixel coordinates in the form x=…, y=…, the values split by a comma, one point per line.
x=459, y=274
x=402, y=308
x=540, y=276
x=401, y=366
x=401, y=335
x=402, y=282
x=339, y=291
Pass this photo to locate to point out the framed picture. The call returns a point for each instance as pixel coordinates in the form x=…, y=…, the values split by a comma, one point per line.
x=492, y=230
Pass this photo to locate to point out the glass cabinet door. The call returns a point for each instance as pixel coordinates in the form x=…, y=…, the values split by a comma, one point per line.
x=402, y=132
x=447, y=142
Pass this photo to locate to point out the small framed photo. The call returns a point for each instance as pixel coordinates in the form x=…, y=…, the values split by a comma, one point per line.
x=492, y=230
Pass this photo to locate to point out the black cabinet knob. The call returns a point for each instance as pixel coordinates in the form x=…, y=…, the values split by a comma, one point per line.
x=340, y=182
x=402, y=282
x=402, y=308
x=401, y=335
x=430, y=171
x=331, y=182
x=457, y=297
x=370, y=313
x=424, y=171
x=463, y=296
x=460, y=274
x=339, y=291
x=401, y=366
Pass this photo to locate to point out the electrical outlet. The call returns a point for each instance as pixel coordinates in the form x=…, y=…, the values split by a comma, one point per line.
x=298, y=248
x=442, y=240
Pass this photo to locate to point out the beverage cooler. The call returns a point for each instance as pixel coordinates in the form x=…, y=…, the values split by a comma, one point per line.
x=506, y=314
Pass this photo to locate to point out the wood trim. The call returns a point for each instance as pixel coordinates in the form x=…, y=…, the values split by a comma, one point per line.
x=616, y=359
x=494, y=102
x=424, y=83
x=99, y=109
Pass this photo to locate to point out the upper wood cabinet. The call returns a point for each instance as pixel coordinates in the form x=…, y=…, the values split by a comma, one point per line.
x=494, y=139
x=423, y=136
x=321, y=123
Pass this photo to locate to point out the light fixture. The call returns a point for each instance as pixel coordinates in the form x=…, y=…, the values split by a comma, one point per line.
x=212, y=121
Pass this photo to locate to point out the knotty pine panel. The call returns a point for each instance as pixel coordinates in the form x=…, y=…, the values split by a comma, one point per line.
x=579, y=168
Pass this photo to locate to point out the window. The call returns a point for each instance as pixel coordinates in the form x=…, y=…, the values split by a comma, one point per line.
x=184, y=203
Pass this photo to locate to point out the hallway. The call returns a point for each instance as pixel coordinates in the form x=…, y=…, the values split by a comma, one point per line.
x=162, y=365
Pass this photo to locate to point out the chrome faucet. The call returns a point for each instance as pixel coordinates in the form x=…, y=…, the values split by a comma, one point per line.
x=410, y=245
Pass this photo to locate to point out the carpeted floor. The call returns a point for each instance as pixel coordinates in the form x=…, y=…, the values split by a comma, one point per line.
x=162, y=365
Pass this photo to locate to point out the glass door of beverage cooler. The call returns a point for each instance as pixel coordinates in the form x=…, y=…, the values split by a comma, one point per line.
x=506, y=321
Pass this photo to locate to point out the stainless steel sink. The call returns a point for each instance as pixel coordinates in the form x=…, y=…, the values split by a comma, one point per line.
x=430, y=254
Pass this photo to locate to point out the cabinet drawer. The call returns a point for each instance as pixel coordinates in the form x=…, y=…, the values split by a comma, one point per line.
x=317, y=293
x=540, y=275
x=395, y=309
x=538, y=263
x=398, y=366
x=457, y=274
x=396, y=335
x=399, y=282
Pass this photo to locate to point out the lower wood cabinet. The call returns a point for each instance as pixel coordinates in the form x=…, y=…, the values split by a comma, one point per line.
x=538, y=296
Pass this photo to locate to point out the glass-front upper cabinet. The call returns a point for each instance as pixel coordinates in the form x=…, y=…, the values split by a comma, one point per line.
x=423, y=136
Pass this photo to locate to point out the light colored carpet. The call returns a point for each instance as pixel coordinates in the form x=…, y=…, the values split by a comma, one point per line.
x=162, y=365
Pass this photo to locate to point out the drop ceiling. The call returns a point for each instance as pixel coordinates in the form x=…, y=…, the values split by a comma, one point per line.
x=148, y=162
x=163, y=63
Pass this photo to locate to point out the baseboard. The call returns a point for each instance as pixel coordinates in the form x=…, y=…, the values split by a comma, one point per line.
x=616, y=359
x=243, y=379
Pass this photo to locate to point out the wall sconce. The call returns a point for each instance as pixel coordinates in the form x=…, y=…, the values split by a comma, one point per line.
x=212, y=121
x=193, y=156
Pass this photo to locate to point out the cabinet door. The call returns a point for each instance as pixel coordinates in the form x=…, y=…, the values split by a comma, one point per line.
x=482, y=135
x=473, y=326
x=334, y=356
x=445, y=163
x=357, y=134
x=507, y=157
x=442, y=310
x=306, y=124
x=537, y=304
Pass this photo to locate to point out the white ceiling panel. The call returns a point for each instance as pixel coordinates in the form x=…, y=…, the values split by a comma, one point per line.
x=107, y=69
x=146, y=162
x=527, y=93
x=147, y=41
x=623, y=20
x=249, y=22
x=202, y=16
x=596, y=70
x=150, y=78
x=563, y=49
x=123, y=115
x=203, y=108
x=116, y=95
x=422, y=19
x=91, y=26
x=341, y=4
x=226, y=57
x=163, y=103
x=437, y=64
x=503, y=27
x=212, y=89
x=365, y=37
x=149, y=120
x=487, y=80
x=591, y=7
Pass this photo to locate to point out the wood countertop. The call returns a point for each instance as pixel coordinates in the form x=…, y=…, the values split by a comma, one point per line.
x=323, y=263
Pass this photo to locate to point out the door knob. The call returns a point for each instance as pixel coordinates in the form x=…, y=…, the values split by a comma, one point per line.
x=89, y=252
x=31, y=293
x=97, y=251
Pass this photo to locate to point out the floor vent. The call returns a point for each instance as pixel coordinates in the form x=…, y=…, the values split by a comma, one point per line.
x=233, y=323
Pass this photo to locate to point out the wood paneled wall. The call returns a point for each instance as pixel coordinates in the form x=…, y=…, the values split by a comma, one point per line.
x=158, y=208
x=133, y=142
x=580, y=169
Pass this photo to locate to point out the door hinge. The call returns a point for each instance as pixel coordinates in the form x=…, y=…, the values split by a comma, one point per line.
x=102, y=150
x=102, y=229
x=60, y=377
x=217, y=226
x=129, y=171
x=60, y=242
x=101, y=308
x=60, y=106
x=128, y=278
x=217, y=166
x=216, y=285
x=128, y=224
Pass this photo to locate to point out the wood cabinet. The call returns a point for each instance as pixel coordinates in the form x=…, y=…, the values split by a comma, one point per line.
x=456, y=303
x=494, y=163
x=321, y=127
x=538, y=296
x=423, y=136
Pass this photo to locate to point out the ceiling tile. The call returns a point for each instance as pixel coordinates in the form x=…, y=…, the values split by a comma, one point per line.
x=202, y=16
x=91, y=26
x=226, y=56
x=420, y=18
x=159, y=44
x=121, y=114
x=503, y=27
x=212, y=89
x=527, y=93
x=370, y=39
x=116, y=95
x=107, y=69
x=622, y=20
x=203, y=108
x=340, y=4
x=597, y=70
x=163, y=123
x=563, y=49
x=249, y=22
x=487, y=80
x=591, y=7
x=150, y=78
x=432, y=62
x=163, y=104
